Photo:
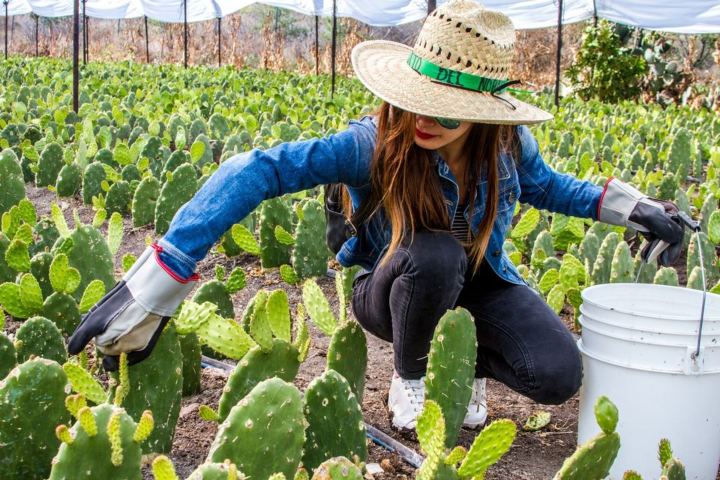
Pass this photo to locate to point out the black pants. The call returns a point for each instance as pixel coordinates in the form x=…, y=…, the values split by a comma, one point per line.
x=521, y=341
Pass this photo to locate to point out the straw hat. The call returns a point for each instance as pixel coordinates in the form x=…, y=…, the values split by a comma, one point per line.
x=457, y=69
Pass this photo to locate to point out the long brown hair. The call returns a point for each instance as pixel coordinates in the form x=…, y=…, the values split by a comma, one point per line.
x=405, y=184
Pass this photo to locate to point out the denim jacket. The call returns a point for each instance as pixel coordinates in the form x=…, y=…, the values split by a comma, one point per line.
x=246, y=179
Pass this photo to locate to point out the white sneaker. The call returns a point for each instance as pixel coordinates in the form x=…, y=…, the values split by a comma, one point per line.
x=477, y=408
x=405, y=401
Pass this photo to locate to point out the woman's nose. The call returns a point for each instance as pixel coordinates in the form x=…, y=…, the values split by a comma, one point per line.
x=425, y=121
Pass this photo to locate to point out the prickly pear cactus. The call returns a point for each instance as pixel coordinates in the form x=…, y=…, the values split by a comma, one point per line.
x=40, y=269
x=646, y=271
x=156, y=384
x=451, y=369
x=49, y=166
x=103, y=443
x=334, y=421
x=32, y=400
x=310, y=256
x=258, y=365
x=118, y=198
x=338, y=468
x=216, y=471
x=673, y=470
x=594, y=458
x=710, y=258
x=179, y=187
x=274, y=212
x=93, y=177
x=666, y=276
x=40, y=337
x=63, y=310
x=621, y=269
x=69, y=180
x=144, y=202
x=679, y=156
x=216, y=292
x=589, y=248
x=250, y=436
x=347, y=355
x=8, y=356
x=45, y=234
x=91, y=256
x=603, y=263
x=191, y=356
x=12, y=185
x=488, y=448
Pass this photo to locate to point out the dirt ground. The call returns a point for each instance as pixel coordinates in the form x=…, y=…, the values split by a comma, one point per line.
x=534, y=455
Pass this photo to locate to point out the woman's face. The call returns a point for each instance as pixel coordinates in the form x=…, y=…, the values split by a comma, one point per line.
x=429, y=134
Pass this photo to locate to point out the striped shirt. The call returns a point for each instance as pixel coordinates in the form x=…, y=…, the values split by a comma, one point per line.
x=459, y=226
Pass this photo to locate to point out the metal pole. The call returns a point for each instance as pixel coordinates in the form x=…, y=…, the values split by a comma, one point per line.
x=5, y=3
x=432, y=5
x=559, y=52
x=595, y=17
x=76, y=53
x=219, y=26
x=185, y=31
x=37, y=29
x=317, y=46
x=84, y=32
x=334, y=47
x=147, y=43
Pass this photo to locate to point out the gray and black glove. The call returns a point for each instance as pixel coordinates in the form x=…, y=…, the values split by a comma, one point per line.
x=657, y=220
x=131, y=316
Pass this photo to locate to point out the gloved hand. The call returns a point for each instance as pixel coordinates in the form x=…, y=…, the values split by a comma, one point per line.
x=657, y=220
x=131, y=316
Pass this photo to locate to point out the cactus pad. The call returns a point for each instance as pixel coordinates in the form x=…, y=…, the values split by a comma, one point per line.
x=258, y=365
x=347, y=355
x=338, y=468
x=335, y=422
x=451, y=368
x=268, y=420
x=40, y=337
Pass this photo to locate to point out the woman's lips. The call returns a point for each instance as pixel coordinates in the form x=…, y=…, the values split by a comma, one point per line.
x=423, y=135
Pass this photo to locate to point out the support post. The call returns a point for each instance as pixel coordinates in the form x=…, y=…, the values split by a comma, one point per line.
x=432, y=5
x=317, y=45
x=37, y=30
x=76, y=54
x=333, y=48
x=5, y=4
x=558, y=54
x=84, y=32
x=219, y=28
x=147, y=42
x=185, y=31
x=595, y=17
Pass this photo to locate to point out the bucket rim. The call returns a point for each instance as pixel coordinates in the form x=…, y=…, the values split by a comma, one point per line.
x=678, y=344
x=709, y=315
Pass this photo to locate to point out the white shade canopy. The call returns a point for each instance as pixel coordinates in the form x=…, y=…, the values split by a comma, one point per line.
x=691, y=16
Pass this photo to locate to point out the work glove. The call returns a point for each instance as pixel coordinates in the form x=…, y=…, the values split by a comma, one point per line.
x=657, y=220
x=131, y=316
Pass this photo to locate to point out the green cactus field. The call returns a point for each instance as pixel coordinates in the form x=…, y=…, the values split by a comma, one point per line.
x=82, y=194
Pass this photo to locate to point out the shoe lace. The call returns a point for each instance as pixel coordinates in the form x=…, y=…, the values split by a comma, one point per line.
x=415, y=390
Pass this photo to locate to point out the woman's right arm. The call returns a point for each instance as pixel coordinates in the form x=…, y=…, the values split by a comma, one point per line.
x=245, y=180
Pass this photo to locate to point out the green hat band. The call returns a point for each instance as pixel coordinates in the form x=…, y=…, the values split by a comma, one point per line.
x=455, y=78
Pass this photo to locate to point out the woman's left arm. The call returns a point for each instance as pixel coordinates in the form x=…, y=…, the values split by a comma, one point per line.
x=544, y=188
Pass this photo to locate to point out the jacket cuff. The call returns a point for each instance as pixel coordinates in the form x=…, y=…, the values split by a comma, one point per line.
x=178, y=262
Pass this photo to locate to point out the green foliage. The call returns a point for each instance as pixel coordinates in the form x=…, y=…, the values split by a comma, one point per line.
x=603, y=68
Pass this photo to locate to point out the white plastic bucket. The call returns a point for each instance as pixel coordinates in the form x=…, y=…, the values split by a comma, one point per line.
x=637, y=347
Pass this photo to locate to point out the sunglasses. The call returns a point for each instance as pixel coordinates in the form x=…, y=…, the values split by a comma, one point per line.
x=449, y=123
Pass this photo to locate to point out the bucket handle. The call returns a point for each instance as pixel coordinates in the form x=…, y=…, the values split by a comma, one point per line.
x=695, y=227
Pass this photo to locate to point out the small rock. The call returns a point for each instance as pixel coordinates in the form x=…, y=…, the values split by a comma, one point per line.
x=373, y=468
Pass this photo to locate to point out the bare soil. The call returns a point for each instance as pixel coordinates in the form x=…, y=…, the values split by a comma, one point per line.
x=534, y=455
